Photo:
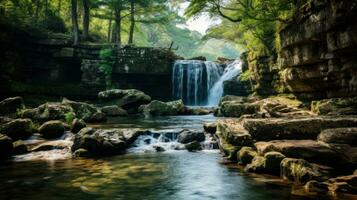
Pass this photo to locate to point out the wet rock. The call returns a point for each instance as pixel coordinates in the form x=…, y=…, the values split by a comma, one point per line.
x=237, y=109
x=159, y=108
x=77, y=125
x=272, y=162
x=301, y=171
x=335, y=106
x=130, y=135
x=233, y=133
x=345, y=184
x=130, y=99
x=198, y=111
x=18, y=129
x=114, y=111
x=11, y=106
x=20, y=147
x=159, y=148
x=50, y=145
x=52, y=129
x=246, y=155
x=49, y=111
x=187, y=136
x=301, y=128
x=6, y=147
x=193, y=146
x=339, y=136
x=309, y=150
x=257, y=165
x=317, y=187
x=85, y=111
x=83, y=153
x=210, y=127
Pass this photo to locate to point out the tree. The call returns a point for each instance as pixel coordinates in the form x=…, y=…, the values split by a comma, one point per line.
x=74, y=17
x=86, y=15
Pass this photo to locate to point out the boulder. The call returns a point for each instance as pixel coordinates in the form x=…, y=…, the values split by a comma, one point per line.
x=20, y=147
x=11, y=106
x=77, y=125
x=50, y=145
x=309, y=150
x=335, y=106
x=85, y=111
x=301, y=171
x=237, y=109
x=210, y=127
x=193, y=146
x=18, y=129
x=300, y=128
x=6, y=147
x=159, y=148
x=130, y=99
x=49, y=111
x=272, y=162
x=187, y=136
x=246, y=155
x=82, y=153
x=114, y=111
x=159, y=108
x=317, y=187
x=339, y=136
x=52, y=129
x=257, y=165
x=198, y=111
x=233, y=133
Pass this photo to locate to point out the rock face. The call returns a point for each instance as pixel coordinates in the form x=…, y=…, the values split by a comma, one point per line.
x=6, y=148
x=18, y=129
x=130, y=100
x=159, y=108
x=11, y=106
x=52, y=129
x=187, y=136
x=335, y=106
x=114, y=111
x=339, y=136
x=103, y=142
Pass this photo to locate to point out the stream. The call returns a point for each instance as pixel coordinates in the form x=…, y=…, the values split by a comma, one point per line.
x=138, y=174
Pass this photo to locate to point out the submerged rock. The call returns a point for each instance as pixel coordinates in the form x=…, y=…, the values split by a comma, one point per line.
x=77, y=125
x=11, y=106
x=52, y=129
x=187, y=136
x=114, y=111
x=18, y=129
x=159, y=108
x=6, y=147
x=130, y=99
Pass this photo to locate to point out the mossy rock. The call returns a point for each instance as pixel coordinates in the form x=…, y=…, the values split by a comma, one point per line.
x=246, y=155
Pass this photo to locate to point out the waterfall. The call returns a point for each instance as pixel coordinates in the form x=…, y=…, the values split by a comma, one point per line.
x=216, y=92
x=192, y=80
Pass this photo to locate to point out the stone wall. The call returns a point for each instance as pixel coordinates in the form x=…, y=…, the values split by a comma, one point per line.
x=318, y=57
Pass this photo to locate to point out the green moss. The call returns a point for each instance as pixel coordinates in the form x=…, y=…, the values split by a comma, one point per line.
x=245, y=76
x=69, y=117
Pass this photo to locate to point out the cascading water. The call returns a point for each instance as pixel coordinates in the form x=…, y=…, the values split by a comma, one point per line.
x=201, y=82
x=193, y=79
x=216, y=92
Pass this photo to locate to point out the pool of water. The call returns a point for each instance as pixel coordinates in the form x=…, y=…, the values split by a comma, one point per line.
x=175, y=175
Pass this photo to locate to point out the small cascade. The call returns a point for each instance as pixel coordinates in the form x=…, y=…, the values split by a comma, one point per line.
x=216, y=92
x=193, y=79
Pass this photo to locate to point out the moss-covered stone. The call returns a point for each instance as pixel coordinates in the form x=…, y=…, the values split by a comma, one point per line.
x=246, y=155
x=18, y=129
x=52, y=129
x=11, y=106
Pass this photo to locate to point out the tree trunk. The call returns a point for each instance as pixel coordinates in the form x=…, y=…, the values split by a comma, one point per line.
x=59, y=7
x=110, y=26
x=37, y=12
x=74, y=16
x=86, y=15
x=116, y=37
x=132, y=22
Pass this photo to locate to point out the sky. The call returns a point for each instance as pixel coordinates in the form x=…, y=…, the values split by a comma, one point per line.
x=200, y=23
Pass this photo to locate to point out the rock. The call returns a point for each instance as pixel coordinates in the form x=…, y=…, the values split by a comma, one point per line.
x=301, y=171
x=233, y=133
x=130, y=99
x=272, y=162
x=6, y=147
x=309, y=150
x=210, y=127
x=300, y=128
x=85, y=111
x=237, y=109
x=193, y=146
x=187, y=136
x=159, y=108
x=77, y=125
x=202, y=58
x=19, y=148
x=198, y=111
x=52, y=129
x=317, y=187
x=335, y=106
x=83, y=153
x=130, y=135
x=50, y=145
x=49, y=111
x=339, y=136
x=11, y=106
x=101, y=142
x=246, y=155
x=159, y=148
x=114, y=111
x=257, y=165
x=18, y=129
x=345, y=184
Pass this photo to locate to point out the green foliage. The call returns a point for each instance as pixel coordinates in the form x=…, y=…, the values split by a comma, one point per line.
x=245, y=76
x=69, y=117
x=107, y=57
